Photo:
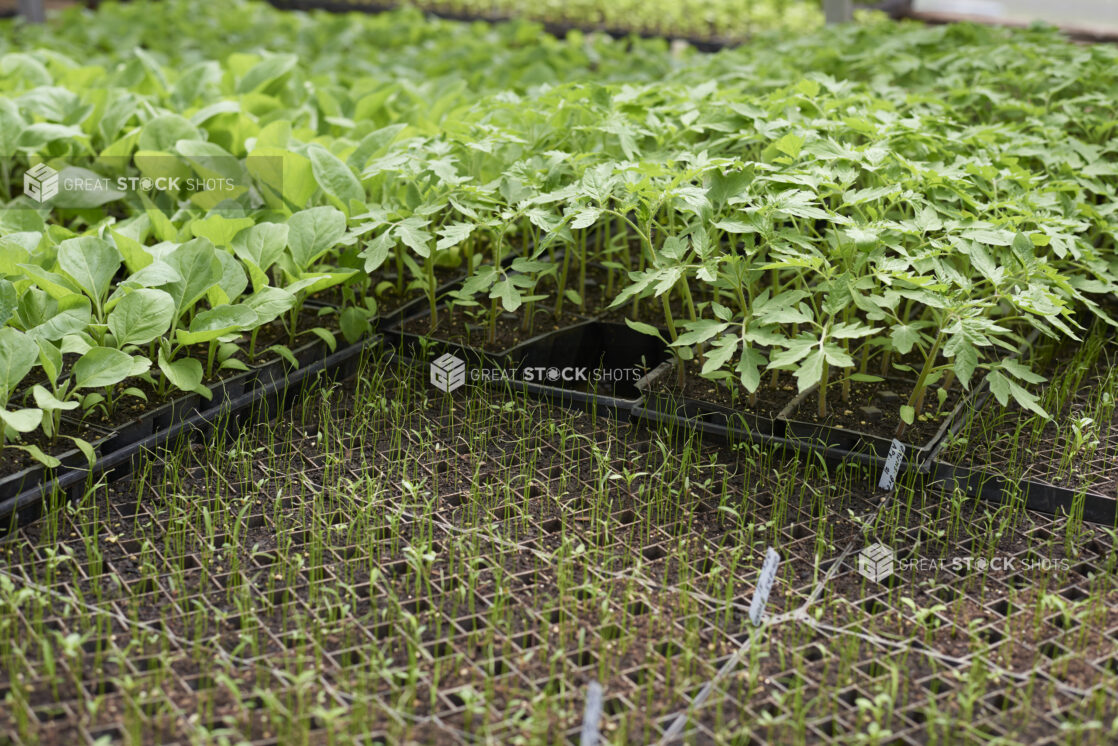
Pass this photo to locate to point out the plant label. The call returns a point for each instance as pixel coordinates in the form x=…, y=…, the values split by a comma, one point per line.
x=591, y=715
x=892, y=466
x=764, y=586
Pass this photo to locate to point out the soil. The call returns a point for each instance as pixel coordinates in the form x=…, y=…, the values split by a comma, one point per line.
x=16, y=460
x=887, y=397
x=542, y=575
x=461, y=327
x=1010, y=439
x=770, y=400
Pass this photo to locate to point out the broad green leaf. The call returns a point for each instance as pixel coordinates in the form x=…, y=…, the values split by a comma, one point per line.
x=21, y=420
x=141, y=316
x=266, y=72
x=101, y=367
x=48, y=402
x=18, y=353
x=810, y=371
x=216, y=322
x=9, y=300
x=72, y=315
x=313, y=232
x=643, y=328
x=198, y=267
x=232, y=283
x=376, y=251
x=791, y=145
x=185, y=374
x=259, y=247
x=92, y=263
x=37, y=453
x=268, y=303
x=453, y=234
x=162, y=132
x=411, y=234
x=219, y=229
x=334, y=177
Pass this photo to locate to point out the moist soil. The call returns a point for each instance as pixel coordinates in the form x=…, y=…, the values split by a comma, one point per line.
x=16, y=460
x=458, y=326
x=1046, y=451
x=652, y=556
x=886, y=397
x=770, y=399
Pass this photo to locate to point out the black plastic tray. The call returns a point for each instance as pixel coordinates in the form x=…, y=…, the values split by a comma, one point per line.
x=630, y=357
x=1038, y=496
x=266, y=398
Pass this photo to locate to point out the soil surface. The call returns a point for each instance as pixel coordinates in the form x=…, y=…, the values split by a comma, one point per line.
x=874, y=408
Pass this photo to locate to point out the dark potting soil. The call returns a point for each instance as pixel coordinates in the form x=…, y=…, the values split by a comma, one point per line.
x=874, y=408
x=15, y=460
x=769, y=401
x=387, y=297
x=461, y=327
x=1054, y=455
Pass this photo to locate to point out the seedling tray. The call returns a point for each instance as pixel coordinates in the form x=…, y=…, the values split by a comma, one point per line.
x=555, y=28
x=1036, y=495
x=590, y=346
x=873, y=449
x=263, y=400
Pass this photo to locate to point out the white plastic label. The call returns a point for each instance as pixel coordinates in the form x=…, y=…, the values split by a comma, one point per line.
x=764, y=586
x=892, y=466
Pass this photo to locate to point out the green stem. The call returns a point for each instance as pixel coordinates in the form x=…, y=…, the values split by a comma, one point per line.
x=431, y=290
x=823, y=389
x=916, y=398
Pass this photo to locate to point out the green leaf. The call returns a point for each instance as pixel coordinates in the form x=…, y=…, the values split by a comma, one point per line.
x=334, y=177
x=92, y=263
x=198, y=268
x=908, y=414
x=48, y=402
x=87, y=189
x=163, y=131
x=810, y=371
x=101, y=367
x=21, y=420
x=313, y=232
x=507, y=292
x=18, y=353
x=376, y=251
x=259, y=247
x=184, y=374
x=36, y=453
x=267, y=71
x=453, y=234
x=326, y=336
x=904, y=337
x=790, y=145
x=70, y=317
x=9, y=300
x=219, y=229
x=643, y=328
x=86, y=449
x=965, y=362
x=217, y=322
x=141, y=316
x=354, y=323
x=268, y=303
x=411, y=233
